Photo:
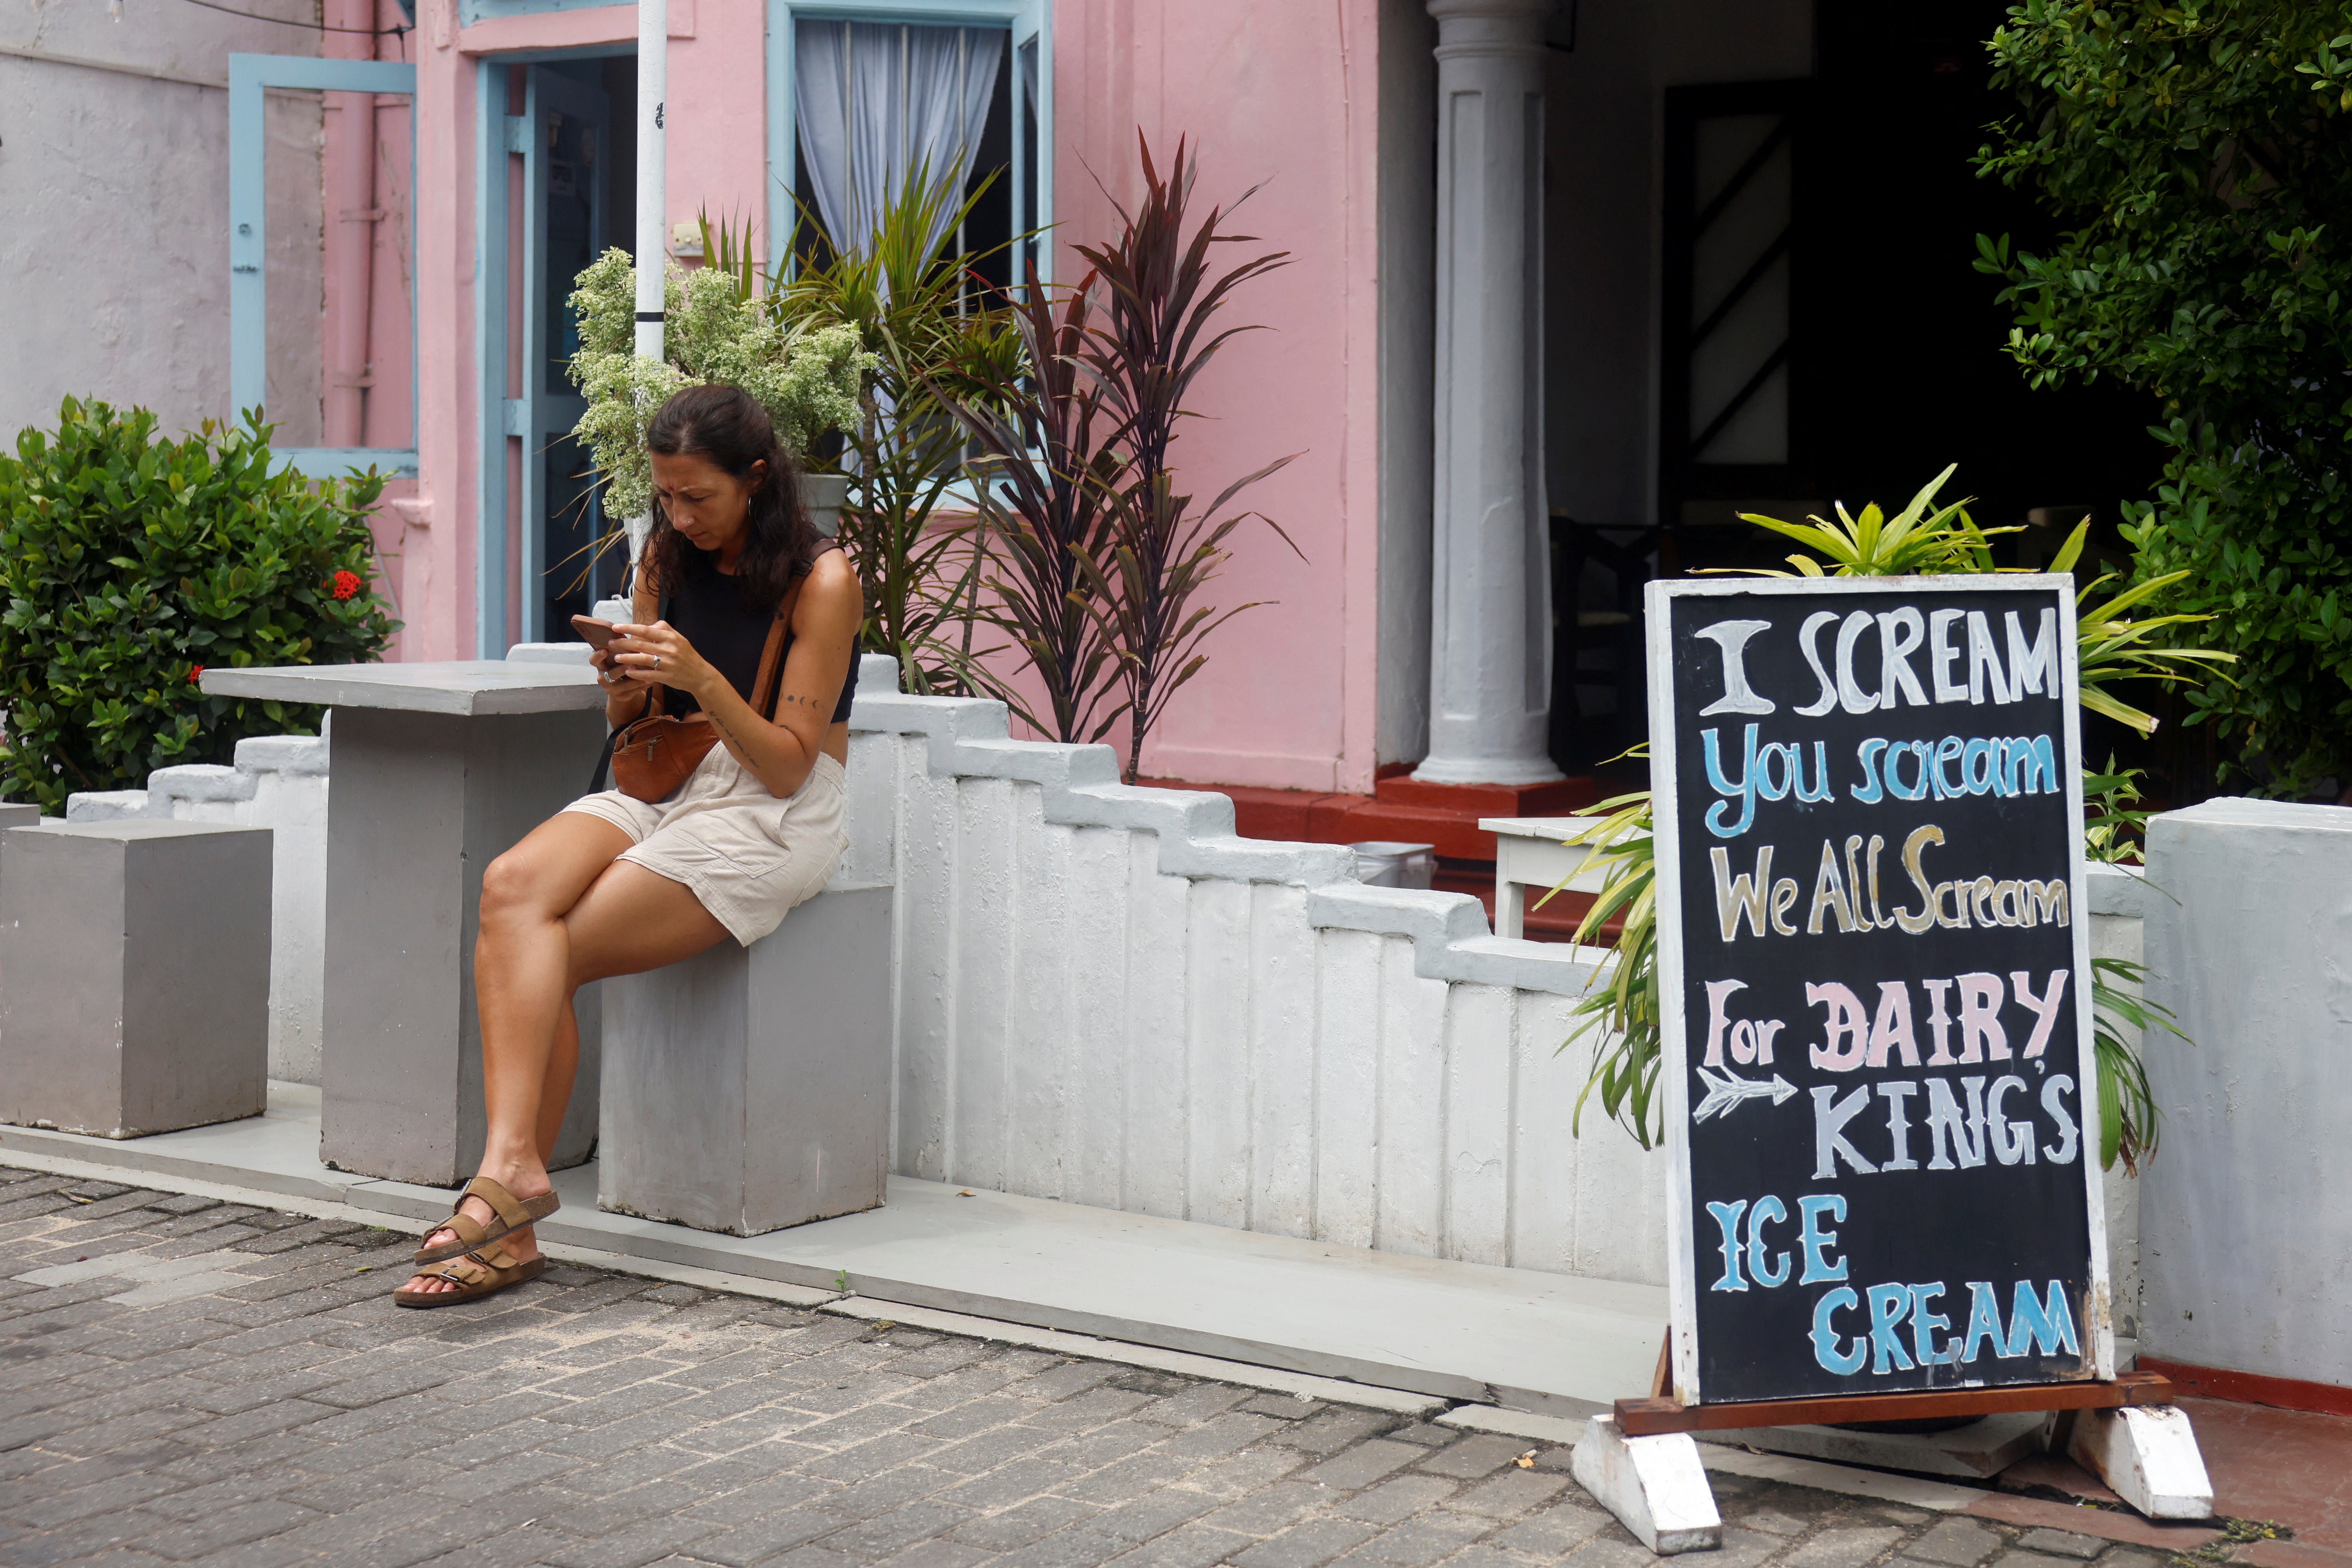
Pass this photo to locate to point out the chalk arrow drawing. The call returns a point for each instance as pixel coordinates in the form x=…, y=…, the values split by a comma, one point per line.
x=1726, y=1090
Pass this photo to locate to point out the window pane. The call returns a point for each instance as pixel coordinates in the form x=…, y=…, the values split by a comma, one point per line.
x=337, y=177
x=1739, y=291
x=990, y=227
x=1028, y=218
x=574, y=227
x=872, y=99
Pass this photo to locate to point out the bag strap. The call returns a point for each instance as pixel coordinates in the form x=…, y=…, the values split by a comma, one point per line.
x=766, y=684
x=644, y=609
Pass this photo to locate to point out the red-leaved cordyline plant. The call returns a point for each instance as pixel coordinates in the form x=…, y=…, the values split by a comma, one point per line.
x=1157, y=297
x=1045, y=481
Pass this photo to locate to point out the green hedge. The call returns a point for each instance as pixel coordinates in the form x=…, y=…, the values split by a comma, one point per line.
x=128, y=564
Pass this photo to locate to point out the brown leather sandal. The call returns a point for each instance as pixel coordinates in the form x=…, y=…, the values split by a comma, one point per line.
x=513, y=1214
x=476, y=1274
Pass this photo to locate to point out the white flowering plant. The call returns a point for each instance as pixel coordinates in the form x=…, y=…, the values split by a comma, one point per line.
x=806, y=375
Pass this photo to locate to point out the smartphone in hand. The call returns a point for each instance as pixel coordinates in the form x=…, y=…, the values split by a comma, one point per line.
x=597, y=634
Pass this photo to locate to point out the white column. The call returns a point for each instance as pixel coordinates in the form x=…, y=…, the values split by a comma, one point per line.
x=653, y=171
x=1490, y=631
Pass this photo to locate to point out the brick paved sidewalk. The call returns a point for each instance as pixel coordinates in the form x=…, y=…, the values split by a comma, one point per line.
x=244, y=1392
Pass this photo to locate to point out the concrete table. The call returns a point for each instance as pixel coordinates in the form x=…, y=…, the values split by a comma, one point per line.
x=438, y=769
x=1529, y=852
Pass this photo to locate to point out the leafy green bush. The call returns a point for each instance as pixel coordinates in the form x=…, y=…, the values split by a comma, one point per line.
x=128, y=564
x=2205, y=148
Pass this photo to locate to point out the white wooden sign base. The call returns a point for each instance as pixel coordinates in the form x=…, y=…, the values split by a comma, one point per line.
x=1656, y=1486
x=2147, y=1455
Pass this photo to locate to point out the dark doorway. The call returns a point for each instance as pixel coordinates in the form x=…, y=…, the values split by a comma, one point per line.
x=1915, y=375
x=1827, y=336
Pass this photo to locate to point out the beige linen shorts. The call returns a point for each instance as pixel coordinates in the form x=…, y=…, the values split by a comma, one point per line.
x=748, y=856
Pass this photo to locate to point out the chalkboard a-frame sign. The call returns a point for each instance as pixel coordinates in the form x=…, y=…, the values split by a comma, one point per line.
x=1874, y=959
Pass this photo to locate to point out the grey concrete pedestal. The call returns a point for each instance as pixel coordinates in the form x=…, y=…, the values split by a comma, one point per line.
x=438, y=769
x=749, y=1089
x=134, y=975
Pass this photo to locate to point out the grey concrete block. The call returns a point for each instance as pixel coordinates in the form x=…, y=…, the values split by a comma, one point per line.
x=573, y=652
x=422, y=802
x=134, y=975
x=749, y=1089
x=2244, y=1261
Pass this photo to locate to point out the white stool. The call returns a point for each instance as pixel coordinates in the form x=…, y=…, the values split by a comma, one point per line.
x=747, y=1089
x=1531, y=852
x=134, y=964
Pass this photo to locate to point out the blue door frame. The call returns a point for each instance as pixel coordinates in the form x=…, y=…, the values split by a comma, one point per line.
x=248, y=287
x=509, y=543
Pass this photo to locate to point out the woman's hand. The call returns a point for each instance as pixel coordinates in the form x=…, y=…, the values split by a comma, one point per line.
x=614, y=679
x=657, y=655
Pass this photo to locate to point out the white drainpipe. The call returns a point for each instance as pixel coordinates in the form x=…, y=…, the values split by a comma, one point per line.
x=653, y=79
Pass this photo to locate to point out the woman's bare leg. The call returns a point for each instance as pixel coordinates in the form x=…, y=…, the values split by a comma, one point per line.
x=555, y=1089
x=547, y=930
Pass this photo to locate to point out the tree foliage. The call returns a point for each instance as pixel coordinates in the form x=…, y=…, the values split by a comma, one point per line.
x=128, y=564
x=2204, y=148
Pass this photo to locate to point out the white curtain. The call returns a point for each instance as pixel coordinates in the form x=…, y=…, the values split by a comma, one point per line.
x=875, y=101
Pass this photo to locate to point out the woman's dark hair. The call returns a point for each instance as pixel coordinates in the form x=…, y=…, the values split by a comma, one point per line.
x=727, y=426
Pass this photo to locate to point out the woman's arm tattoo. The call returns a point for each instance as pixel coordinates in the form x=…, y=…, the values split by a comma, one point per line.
x=732, y=739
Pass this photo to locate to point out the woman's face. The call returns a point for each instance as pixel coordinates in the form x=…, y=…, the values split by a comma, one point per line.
x=704, y=502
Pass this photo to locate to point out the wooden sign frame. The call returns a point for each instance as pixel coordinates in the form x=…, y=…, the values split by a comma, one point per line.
x=1678, y=1402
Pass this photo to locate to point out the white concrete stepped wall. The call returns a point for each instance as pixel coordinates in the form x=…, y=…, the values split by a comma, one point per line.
x=278, y=782
x=1107, y=997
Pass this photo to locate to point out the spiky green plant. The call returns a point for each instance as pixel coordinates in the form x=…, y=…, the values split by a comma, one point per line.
x=1922, y=537
x=927, y=328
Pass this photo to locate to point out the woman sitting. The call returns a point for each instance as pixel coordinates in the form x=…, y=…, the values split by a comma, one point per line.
x=616, y=885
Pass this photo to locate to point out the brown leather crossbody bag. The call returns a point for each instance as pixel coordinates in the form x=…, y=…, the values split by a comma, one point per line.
x=655, y=752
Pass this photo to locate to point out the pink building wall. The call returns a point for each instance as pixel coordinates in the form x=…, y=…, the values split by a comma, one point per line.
x=1281, y=97
x=1277, y=96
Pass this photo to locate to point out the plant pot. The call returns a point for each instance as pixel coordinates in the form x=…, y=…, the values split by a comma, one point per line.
x=823, y=494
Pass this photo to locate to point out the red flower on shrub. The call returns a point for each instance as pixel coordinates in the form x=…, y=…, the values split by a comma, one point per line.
x=194, y=672
x=345, y=584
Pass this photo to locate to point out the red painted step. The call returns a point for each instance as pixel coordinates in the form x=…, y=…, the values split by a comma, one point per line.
x=1401, y=809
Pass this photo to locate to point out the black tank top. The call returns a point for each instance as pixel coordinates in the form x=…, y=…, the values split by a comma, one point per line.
x=706, y=610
